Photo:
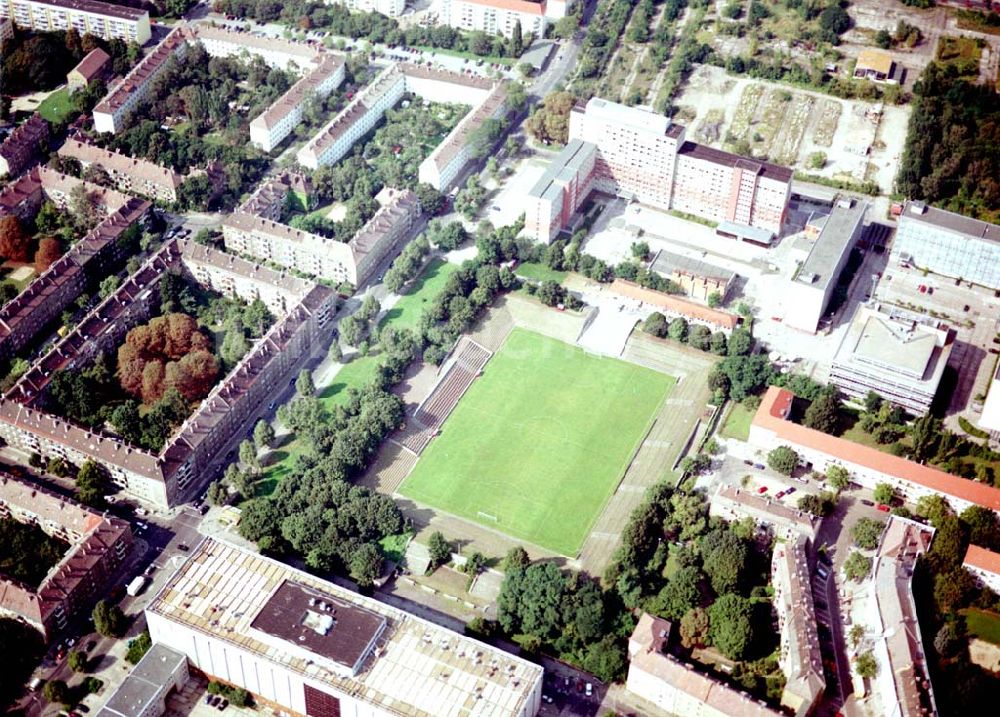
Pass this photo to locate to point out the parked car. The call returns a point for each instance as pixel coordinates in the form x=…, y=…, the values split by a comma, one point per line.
x=883, y=508
x=223, y=703
x=759, y=466
x=789, y=490
x=865, y=501
x=780, y=494
x=762, y=490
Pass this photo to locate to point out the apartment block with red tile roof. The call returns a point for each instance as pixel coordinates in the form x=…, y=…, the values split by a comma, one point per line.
x=867, y=466
x=676, y=687
x=23, y=147
x=304, y=312
x=98, y=545
x=984, y=565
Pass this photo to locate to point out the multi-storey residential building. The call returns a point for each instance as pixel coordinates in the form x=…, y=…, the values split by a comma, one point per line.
x=900, y=355
x=94, y=66
x=304, y=313
x=678, y=688
x=496, y=17
x=800, y=658
x=450, y=158
x=86, y=262
x=441, y=168
x=305, y=646
x=902, y=687
x=390, y=8
x=254, y=230
x=357, y=119
x=807, y=294
x=136, y=176
x=321, y=69
x=867, y=466
x=641, y=156
x=110, y=113
x=269, y=129
x=949, y=244
x=105, y=20
x=23, y=146
x=984, y=565
x=98, y=545
x=6, y=30
x=732, y=503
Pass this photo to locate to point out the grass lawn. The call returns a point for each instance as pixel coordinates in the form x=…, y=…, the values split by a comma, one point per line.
x=406, y=313
x=539, y=272
x=362, y=369
x=983, y=624
x=56, y=106
x=393, y=546
x=737, y=424
x=474, y=59
x=540, y=441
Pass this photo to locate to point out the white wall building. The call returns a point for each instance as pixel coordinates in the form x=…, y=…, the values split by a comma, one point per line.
x=105, y=20
x=269, y=129
x=353, y=261
x=498, y=17
x=641, y=156
x=310, y=647
x=984, y=565
x=391, y=8
x=808, y=292
x=867, y=466
x=144, y=692
x=898, y=354
x=356, y=120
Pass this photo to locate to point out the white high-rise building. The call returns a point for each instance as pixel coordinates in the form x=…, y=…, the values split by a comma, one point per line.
x=105, y=20
x=640, y=155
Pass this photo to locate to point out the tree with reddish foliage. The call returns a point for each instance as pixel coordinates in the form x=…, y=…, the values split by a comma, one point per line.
x=15, y=242
x=48, y=251
x=168, y=352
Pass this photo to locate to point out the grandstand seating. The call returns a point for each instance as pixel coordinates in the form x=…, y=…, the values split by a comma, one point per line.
x=467, y=361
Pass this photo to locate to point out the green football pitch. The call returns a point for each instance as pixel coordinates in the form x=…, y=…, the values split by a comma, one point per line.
x=540, y=441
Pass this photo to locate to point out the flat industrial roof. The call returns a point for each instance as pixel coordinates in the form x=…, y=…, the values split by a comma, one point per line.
x=950, y=221
x=566, y=162
x=416, y=667
x=839, y=230
x=319, y=622
x=144, y=684
x=641, y=120
x=894, y=341
x=97, y=8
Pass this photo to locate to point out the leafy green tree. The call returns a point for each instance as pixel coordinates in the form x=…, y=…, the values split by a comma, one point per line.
x=517, y=557
x=304, y=385
x=216, y=494
x=606, y=660
x=57, y=692
x=857, y=566
x=924, y=435
x=783, y=459
x=950, y=639
x=934, y=508
x=678, y=329
x=336, y=353
x=138, y=647
x=714, y=300
x=680, y=595
x=953, y=589
x=983, y=527
x=731, y=627
x=823, y=414
x=820, y=505
x=725, y=560
x=108, y=286
x=263, y=434
x=366, y=565
x=837, y=477
x=440, y=549
x=77, y=661
x=740, y=342
x=532, y=601
x=866, y=665
x=856, y=634
x=656, y=325
x=884, y=493
x=109, y=620
x=866, y=533
x=640, y=250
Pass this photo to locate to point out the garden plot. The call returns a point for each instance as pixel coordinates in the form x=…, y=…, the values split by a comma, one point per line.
x=788, y=126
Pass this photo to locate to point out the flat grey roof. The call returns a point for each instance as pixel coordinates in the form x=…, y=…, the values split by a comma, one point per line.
x=756, y=234
x=566, y=161
x=145, y=683
x=98, y=8
x=838, y=233
x=920, y=212
x=667, y=263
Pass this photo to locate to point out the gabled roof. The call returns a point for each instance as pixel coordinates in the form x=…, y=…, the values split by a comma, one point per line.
x=772, y=416
x=93, y=64
x=982, y=559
